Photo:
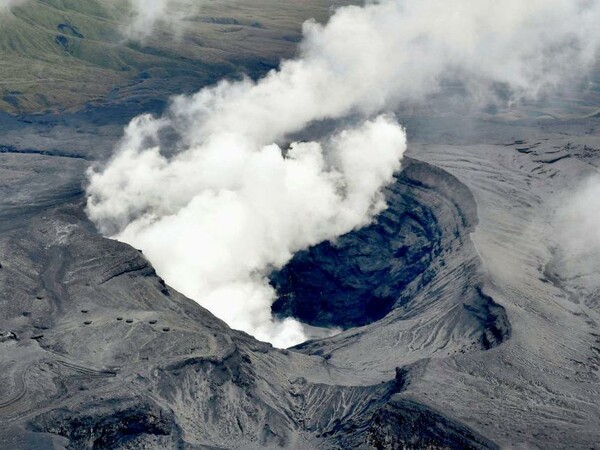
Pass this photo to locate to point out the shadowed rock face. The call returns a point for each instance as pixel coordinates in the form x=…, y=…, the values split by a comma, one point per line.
x=393, y=427
x=120, y=427
x=361, y=277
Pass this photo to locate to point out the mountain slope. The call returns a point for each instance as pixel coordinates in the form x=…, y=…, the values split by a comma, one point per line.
x=60, y=54
x=97, y=351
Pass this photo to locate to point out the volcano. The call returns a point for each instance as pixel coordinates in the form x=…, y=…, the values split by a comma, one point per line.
x=466, y=312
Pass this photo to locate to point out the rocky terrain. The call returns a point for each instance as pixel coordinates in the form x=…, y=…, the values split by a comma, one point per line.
x=465, y=325
x=460, y=348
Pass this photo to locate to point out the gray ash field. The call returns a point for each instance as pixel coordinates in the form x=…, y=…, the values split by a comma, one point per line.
x=463, y=325
x=469, y=354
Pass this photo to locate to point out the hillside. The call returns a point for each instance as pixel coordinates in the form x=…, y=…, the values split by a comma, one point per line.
x=62, y=54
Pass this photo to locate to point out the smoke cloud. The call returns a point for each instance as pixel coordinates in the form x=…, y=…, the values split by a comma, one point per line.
x=215, y=218
x=146, y=15
x=576, y=256
x=231, y=202
x=7, y=5
x=577, y=223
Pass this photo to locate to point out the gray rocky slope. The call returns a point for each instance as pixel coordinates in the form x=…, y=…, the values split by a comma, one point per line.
x=464, y=327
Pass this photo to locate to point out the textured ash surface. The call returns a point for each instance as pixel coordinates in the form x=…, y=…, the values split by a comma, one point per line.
x=465, y=325
x=479, y=349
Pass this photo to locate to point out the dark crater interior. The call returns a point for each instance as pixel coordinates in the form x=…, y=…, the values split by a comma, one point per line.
x=365, y=274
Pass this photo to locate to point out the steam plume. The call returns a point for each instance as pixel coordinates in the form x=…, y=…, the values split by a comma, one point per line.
x=577, y=223
x=7, y=5
x=231, y=204
x=146, y=15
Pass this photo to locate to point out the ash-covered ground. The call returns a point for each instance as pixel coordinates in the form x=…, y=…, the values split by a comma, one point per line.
x=469, y=320
x=463, y=328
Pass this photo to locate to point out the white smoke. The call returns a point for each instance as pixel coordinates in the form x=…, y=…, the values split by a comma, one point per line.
x=7, y=5
x=576, y=256
x=577, y=222
x=147, y=15
x=215, y=218
x=230, y=205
